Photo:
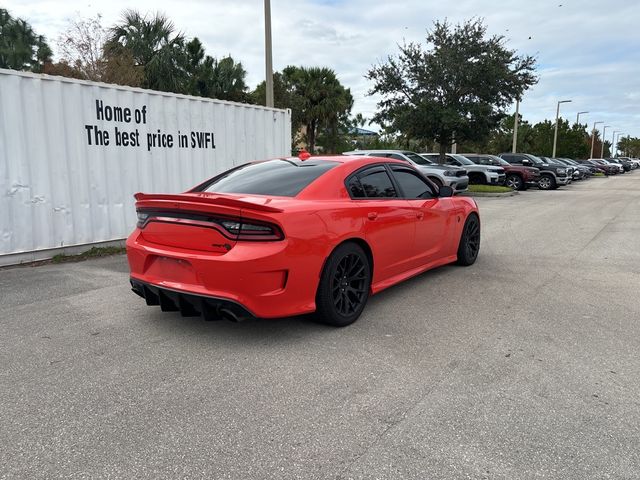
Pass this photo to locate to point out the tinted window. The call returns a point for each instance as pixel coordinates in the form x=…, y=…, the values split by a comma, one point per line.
x=355, y=188
x=509, y=158
x=279, y=177
x=377, y=184
x=411, y=184
x=414, y=157
x=460, y=159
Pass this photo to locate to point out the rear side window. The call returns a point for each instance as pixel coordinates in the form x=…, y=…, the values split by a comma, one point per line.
x=411, y=184
x=509, y=158
x=355, y=188
x=377, y=184
x=373, y=182
x=281, y=177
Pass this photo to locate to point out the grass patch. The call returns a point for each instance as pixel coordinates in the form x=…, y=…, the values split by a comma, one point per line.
x=598, y=174
x=93, y=252
x=489, y=189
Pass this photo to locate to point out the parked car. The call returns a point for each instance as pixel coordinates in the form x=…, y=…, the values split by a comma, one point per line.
x=635, y=163
x=517, y=177
x=608, y=168
x=454, y=177
x=480, y=174
x=594, y=167
x=551, y=176
x=570, y=170
x=616, y=168
x=289, y=236
x=585, y=172
x=625, y=164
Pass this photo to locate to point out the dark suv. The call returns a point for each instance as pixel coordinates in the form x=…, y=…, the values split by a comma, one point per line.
x=551, y=176
x=518, y=177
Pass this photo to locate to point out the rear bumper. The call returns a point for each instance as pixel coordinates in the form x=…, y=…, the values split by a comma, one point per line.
x=255, y=279
x=189, y=304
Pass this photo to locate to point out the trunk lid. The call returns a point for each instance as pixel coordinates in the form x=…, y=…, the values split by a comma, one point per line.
x=204, y=221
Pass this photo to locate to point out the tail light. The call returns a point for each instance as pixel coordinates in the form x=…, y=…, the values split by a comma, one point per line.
x=232, y=228
x=241, y=229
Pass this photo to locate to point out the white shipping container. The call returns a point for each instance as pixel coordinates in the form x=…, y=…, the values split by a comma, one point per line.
x=73, y=153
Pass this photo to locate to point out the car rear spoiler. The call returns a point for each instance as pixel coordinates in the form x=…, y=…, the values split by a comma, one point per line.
x=205, y=199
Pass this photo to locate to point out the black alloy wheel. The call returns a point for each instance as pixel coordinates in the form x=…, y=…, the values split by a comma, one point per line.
x=469, y=246
x=344, y=286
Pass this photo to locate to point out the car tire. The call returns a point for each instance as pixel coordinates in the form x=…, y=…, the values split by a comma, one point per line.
x=469, y=245
x=547, y=182
x=515, y=182
x=344, y=286
x=477, y=178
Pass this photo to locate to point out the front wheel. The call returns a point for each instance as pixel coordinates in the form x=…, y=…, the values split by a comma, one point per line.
x=547, y=182
x=344, y=286
x=515, y=182
x=469, y=246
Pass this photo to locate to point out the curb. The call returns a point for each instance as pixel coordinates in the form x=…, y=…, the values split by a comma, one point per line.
x=488, y=194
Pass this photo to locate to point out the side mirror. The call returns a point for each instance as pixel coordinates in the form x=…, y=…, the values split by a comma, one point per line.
x=526, y=162
x=445, y=191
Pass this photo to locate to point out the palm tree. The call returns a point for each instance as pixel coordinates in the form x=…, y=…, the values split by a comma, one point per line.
x=155, y=47
x=229, y=80
x=20, y=47
x=324, y=100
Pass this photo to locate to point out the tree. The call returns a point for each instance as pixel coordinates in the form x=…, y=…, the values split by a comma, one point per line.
x=154, y=46
x=323, y=100
x=20, y=47
x=284, y=96
x=81, y=46
x=457, y=88
x=629, y=147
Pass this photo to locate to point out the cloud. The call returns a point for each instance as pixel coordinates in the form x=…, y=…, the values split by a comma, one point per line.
x=587, y=51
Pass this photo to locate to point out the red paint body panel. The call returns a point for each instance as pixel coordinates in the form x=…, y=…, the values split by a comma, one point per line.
x=280, y=278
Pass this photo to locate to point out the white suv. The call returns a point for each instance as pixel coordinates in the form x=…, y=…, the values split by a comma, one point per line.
x=452, y=176
x=484, y=174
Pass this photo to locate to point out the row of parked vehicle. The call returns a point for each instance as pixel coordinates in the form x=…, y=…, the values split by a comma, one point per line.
x=516, y=170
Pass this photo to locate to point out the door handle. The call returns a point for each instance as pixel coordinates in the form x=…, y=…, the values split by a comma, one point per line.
x=420, y=215
x=372, y=215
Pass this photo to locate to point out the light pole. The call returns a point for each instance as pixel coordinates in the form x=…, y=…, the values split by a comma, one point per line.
x=515, y=127
x=616, y=146
x=593, y=137
x=578, y=117
x=613, y=137
x=555, y=135
x=268, y=56
x=604, y=131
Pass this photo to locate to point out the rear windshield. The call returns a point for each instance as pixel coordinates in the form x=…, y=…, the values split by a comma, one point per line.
x=281, y=177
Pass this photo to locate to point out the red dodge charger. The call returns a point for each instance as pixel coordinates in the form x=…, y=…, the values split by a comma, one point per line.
x=291, y=236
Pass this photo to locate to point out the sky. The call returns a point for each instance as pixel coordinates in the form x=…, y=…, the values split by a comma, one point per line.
x=587, y=51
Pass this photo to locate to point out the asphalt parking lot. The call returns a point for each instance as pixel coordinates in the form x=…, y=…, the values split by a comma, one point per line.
x=522, y=366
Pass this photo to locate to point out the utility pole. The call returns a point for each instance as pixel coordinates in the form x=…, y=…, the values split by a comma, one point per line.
x=268, y=54
x=604, y=130
x=593, y=137
x=578, y=117
x=616, y=146
x=555, y=135
x=515, y=127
